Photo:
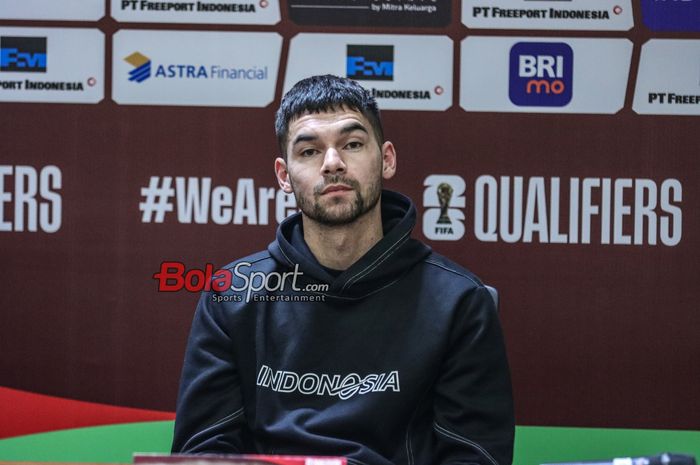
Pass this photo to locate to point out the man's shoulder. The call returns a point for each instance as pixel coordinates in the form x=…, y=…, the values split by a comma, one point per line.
x=451, y=270
x=452, y=278
x=259, y=259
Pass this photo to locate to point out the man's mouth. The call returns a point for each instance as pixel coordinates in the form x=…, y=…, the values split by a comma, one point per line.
x=335, y=188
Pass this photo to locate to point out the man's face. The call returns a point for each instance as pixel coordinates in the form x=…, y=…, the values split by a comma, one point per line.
x=334, y=166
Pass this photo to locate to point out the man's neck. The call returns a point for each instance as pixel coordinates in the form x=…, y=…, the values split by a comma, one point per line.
x=338, y=247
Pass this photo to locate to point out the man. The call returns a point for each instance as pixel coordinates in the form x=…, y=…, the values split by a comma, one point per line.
x=362, y=342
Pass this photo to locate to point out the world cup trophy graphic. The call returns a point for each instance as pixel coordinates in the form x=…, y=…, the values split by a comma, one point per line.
x=444, y=193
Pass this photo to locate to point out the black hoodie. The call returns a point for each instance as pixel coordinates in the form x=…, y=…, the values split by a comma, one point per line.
x=399, y=361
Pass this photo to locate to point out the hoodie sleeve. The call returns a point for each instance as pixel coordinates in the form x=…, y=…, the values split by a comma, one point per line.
x=210, y=416
x=473, y=406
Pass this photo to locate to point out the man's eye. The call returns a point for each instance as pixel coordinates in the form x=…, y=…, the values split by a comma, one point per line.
x=354, y=145
x=307, y=152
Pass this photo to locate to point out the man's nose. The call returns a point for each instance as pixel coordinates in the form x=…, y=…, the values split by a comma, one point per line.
x=332, y=162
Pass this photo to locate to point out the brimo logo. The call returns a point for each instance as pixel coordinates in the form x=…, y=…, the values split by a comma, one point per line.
x=173, y=277
x=541, y=74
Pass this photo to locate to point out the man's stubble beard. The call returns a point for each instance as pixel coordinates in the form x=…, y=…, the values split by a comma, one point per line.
x=358, y=207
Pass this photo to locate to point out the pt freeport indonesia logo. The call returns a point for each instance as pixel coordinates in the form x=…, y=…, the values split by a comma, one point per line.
x=376, y=63
x=247, y=285
x=29, y=56
x=180, y=6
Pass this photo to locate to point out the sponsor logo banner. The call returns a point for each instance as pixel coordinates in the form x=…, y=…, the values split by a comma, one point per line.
x=23, y=54
x=386, y=65
x=541, y=74
x=671, y=15
x=197, y=11
x=554, y=210
x=236, y=69
x=579, y=15
x=370, y=62
x=51, y=65
x=77, y=10
x=389, y=13
x=544, y=75
x=668, y=80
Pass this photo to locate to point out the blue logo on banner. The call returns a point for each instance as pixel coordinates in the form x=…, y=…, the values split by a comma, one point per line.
x=370, y=62
x=142, y=67
x=671, y=15
x=23, y=54
x=541, y=74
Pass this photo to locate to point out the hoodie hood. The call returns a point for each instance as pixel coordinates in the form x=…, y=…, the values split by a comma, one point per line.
x=394, y=255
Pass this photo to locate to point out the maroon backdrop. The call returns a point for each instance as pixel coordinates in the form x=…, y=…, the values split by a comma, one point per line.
x=597, y=334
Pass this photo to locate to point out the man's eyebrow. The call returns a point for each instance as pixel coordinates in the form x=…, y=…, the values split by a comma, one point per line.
x=304, y=138
x=353, y=127
x=344, y=130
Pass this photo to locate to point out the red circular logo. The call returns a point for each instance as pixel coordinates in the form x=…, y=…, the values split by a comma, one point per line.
x=617, y=10
x=91, y=81
x=439, y=90
x=263, y=3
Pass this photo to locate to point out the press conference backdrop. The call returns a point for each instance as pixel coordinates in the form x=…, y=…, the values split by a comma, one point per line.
x=551, y=147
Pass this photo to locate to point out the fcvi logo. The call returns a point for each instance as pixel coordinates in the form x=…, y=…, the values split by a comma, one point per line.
x=370, y=62
x=23, y=54
x=541, y=74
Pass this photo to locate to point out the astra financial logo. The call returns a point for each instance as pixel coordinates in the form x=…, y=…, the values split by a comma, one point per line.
x=370, y=62
x=541, y=74
x=142, y=67
x=143, y=70
x=23, y=54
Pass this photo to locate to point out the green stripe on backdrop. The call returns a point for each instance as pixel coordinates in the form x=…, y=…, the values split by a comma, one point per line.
x=99, y=444
x=534, y=444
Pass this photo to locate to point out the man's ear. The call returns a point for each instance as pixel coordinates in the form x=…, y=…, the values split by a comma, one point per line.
x=388, y=160
x=283, y=175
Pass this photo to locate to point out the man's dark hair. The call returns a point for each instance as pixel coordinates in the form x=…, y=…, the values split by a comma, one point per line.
x=327, y=93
